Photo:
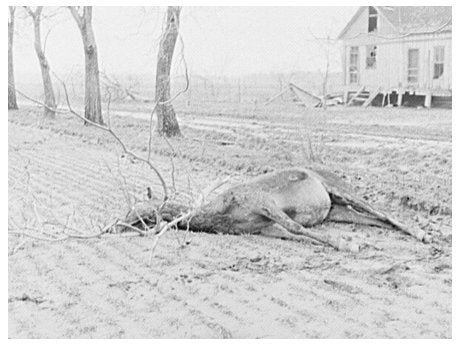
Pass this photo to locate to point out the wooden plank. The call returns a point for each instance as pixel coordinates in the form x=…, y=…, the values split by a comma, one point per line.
x=400, y=98
x=383, y=98
x=345, y=96
x=279, y=94
x=304, y=91
x=371, y=97
x=428, y=100
x=305, y=97
x=350, y=102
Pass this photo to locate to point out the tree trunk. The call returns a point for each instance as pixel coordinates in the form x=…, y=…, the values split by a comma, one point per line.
x=50, y=100
x=12, y=103
x=167, y=122
x=326, y=80
x=93, y=110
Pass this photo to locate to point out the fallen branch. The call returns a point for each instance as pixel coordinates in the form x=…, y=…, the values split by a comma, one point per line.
x=161, y=227
x=17, y=247
x=52, y=238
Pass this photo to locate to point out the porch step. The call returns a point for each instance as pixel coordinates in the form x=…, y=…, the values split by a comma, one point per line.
x=371, y=97
x=356, y=96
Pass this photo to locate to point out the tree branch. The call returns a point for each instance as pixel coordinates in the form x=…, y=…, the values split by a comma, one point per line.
x=74, y=11
x=29, y=11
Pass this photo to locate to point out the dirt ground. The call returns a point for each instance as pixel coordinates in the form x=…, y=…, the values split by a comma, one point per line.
x=222, y=286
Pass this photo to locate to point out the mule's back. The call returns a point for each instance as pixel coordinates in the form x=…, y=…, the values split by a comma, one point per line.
x=297, y=192
x=303, y=197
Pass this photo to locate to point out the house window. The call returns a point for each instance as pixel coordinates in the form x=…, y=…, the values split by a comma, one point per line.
x=438, y=62
x=412, y=67
x=372, y=19
x=354, y=63
x=371, y=56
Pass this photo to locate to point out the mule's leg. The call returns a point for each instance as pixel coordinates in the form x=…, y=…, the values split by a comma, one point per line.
x=346, y=214
x=341, y=195
x=277, y=231
x=281, y=218
x=417, y=233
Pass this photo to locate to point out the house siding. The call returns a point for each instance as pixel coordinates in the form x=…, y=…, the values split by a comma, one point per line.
x=391, y=71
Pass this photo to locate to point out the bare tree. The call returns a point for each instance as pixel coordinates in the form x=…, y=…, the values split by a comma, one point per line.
x=326, y=44
x=160, y=226
x=50, y=99
x=326, y=73
x=167, y=122
x=12, y=103
x=83, y=17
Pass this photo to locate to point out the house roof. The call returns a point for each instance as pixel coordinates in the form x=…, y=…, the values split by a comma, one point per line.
x=418, y=19
x=411, y=19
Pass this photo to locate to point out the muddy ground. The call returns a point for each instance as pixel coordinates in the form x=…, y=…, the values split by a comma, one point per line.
x=222, y=286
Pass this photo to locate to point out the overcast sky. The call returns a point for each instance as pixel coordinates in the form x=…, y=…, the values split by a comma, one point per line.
x=224, y=41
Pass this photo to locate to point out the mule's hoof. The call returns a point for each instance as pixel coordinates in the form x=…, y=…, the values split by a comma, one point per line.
x=420, y=235
x=427, y=238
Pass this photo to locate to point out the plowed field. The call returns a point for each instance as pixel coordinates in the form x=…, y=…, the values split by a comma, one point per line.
x=222, y=286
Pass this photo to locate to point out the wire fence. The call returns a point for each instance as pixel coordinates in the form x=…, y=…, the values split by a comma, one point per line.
x=251, y=90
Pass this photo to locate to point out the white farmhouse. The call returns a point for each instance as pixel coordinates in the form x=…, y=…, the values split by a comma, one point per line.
x=396, y=55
